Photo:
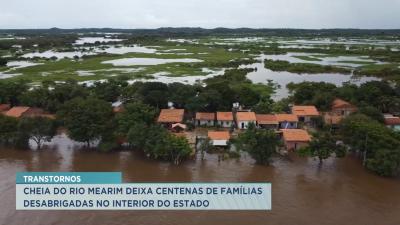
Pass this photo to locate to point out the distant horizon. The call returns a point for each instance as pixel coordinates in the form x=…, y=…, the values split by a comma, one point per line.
x=148, y=14
x=194, y=27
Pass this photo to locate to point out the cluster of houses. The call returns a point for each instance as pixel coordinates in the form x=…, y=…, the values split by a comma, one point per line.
x=23, y=111
x=287, y=126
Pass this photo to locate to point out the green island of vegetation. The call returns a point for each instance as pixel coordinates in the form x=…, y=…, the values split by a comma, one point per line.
x=281, y=65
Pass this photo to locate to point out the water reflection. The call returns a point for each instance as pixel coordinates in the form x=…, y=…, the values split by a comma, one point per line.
x=303, y=192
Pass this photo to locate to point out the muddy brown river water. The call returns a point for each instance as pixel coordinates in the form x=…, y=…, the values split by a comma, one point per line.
x=339, y=192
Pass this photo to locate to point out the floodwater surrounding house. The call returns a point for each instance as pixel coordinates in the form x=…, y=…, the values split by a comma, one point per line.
x=295, y=139
x=219, y=138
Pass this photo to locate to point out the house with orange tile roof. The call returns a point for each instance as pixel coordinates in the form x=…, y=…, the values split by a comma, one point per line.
x=219, y=138
x=168, y=117
x=205, y=119
x=4, y=107
x=342, y=108
x=305, y=112
x=225, y=119
x=392, y=122
x=267, y=121
x=23, y=111
x=287, y=121
x=295, y=139
x=244, y=119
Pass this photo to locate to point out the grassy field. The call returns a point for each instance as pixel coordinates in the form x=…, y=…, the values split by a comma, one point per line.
x=59, y=70
x=216, y=53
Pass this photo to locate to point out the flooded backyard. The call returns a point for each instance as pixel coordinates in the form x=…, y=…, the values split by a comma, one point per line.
x=339, y=192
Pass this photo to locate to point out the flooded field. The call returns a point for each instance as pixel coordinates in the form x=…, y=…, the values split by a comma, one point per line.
x=303, y=193
x=263, y=75
x=148, y=61
x=173, y=59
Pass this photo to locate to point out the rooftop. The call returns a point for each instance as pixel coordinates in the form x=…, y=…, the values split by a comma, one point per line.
x=17, y=111
x=219, y=135
x=392, y=120
x=286, y=118
x=340, y=103
x=224, y=116
x=171, y=116
x=296, y=135
x=4, y=107
x=266, y=119
x=305, y=110
x=246, y=116
x=205, y=116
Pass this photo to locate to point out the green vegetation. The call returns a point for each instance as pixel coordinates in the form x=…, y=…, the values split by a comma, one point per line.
x=280, y=65
x=38, y=129
x=323, y=146
x=260, y=144
x=3, y=62
x=87, y=120
x=363, y=132
x=379, y=145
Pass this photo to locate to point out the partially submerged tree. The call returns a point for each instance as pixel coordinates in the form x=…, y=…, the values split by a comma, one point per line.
x=8, y=130
x=260, y=144
x=39, y=129
x=87, y=120
x=379, y=145
x=323, y=146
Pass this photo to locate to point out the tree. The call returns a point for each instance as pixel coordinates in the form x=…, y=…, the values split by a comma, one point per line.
x=39, y=129
x=180, y=94
x=138, y=135
x=11, y=91
x=177, y=148
x=108, y=91
x=323, y=146
x=87, y=119
x=264, y=106
x=3, y=61
x=260, y=144
x=8, y=130
x=134, y=113
x=379, y=145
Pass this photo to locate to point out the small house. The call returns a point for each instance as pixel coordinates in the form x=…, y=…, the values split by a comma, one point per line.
x=267, y=121
x=225, y=119
x=168, y=117
x=287, y=121
x=219, y=138
x=305, y=112
x=22, y=111
x=295, y=139
x=244, y=119
x=205, y=119
x=342, y=108
x=392, y=122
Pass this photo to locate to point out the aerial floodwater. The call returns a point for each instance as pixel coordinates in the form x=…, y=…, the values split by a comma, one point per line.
x=340, y=191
